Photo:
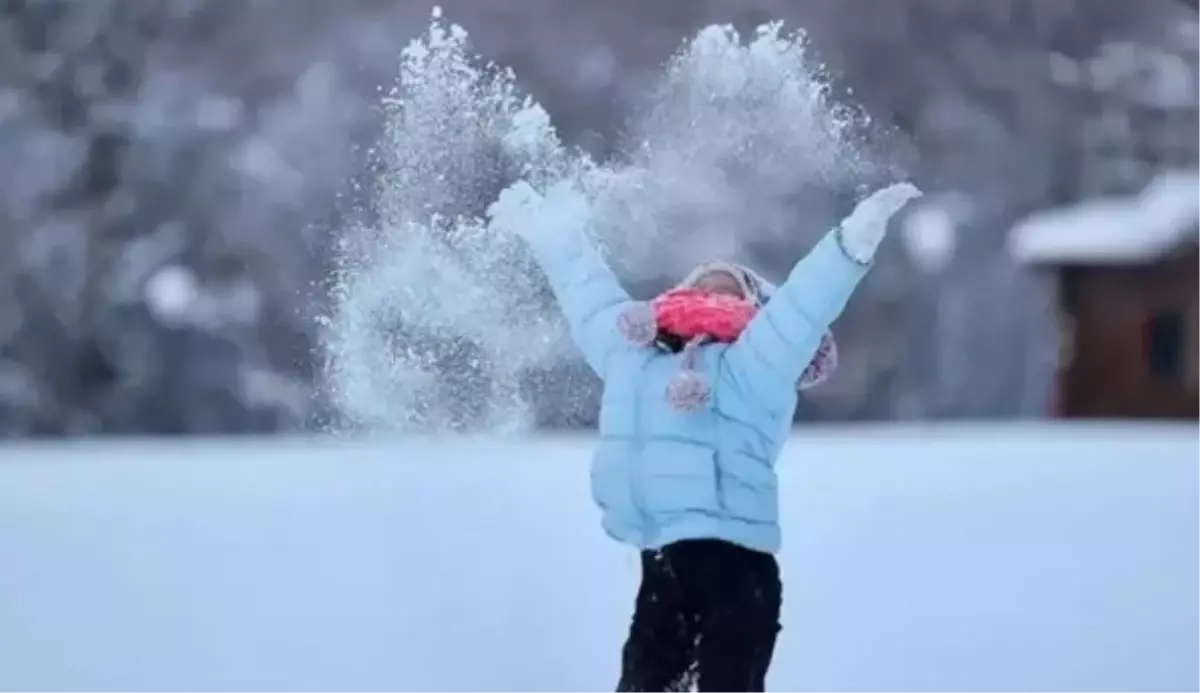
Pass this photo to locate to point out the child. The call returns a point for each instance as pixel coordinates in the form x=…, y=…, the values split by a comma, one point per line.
x=700, y=389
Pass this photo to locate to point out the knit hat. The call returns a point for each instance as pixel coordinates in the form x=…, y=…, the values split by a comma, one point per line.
x=683, y=319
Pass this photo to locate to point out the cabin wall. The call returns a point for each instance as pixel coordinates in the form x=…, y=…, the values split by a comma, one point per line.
x=1130, y=340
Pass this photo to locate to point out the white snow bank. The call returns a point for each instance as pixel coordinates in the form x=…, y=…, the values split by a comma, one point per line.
x=1005, y=558
x=1114, y=229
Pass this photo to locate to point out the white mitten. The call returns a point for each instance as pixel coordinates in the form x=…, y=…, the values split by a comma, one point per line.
x=523, y=210
x=862, y=231
x=516, y=207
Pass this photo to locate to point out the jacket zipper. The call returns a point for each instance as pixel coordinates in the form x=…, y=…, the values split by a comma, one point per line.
x=637, y=468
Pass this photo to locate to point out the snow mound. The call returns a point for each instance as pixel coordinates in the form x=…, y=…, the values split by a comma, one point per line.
x=1012, y=557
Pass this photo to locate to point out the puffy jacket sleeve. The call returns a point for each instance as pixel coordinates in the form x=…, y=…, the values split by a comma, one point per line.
x=775, y=348
x=590, y=295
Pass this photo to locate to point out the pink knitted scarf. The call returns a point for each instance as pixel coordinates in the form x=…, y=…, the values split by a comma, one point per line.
x=696, y=317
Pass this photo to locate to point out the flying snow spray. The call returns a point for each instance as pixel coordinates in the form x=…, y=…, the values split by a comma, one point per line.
x=439, y=317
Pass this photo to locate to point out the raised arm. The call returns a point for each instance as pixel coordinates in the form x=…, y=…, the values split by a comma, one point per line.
x=585, y=287
x=773, y=351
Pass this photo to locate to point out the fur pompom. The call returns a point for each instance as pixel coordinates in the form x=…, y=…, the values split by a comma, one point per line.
x=638, y=324
x=688, y=391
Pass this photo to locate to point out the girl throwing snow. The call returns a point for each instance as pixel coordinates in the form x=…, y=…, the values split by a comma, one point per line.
x=700, y=389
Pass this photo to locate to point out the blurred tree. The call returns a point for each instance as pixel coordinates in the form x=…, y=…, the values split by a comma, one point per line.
x=157, y=213
x=169, y=171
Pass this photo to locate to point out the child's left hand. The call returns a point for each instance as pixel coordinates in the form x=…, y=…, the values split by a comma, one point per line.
x=862, y=231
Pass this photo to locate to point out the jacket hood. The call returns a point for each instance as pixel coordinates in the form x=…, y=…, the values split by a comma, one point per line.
x=753, y=286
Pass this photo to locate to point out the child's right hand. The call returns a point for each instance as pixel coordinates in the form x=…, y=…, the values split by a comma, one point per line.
x=523, y=210
x=514, y=210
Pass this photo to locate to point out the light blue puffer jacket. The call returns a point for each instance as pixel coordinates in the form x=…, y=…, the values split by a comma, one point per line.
x=660, y=474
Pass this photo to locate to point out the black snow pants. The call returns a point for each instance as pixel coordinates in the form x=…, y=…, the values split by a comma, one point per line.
x=707, y=615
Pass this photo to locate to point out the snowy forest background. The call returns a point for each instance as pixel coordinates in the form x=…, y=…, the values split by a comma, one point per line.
x=217, y=150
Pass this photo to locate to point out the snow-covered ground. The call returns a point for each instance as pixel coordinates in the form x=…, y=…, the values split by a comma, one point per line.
x=1031, y=557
